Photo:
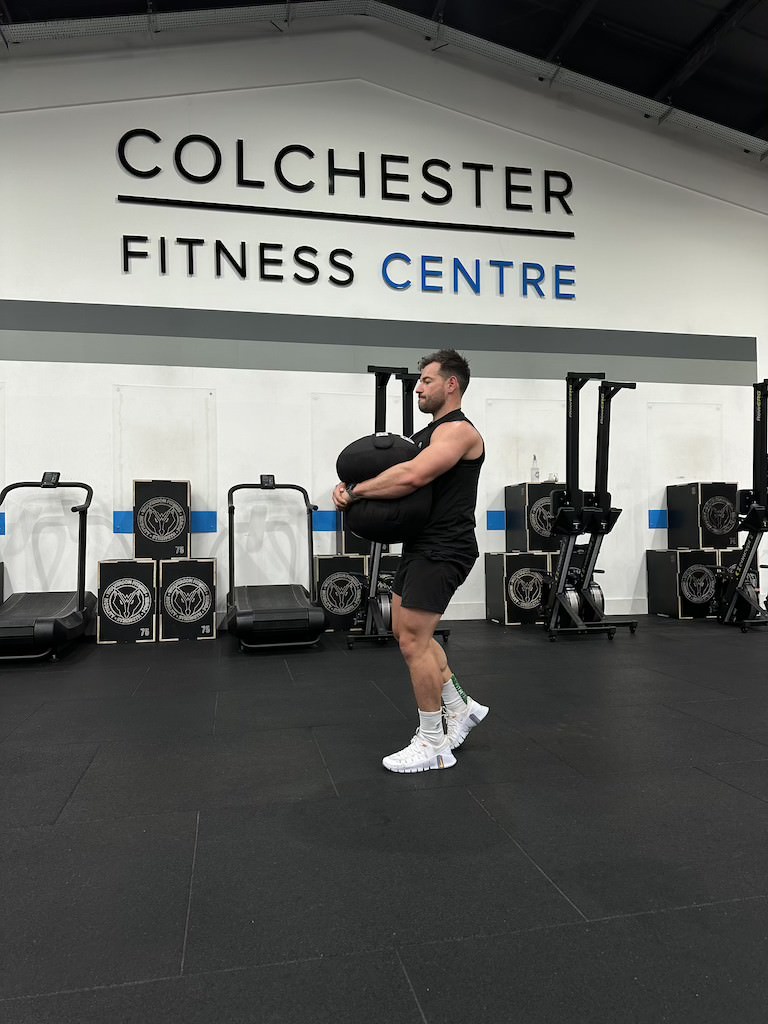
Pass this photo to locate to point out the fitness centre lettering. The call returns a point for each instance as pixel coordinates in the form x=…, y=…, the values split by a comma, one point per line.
x=265, y=260
x=438, y=274
x=513, y=191
x=269, y=261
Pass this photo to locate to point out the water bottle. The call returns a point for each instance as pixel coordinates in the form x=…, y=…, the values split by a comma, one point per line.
x=534, y=471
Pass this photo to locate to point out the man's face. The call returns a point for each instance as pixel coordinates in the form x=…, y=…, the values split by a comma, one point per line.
x=431, y=390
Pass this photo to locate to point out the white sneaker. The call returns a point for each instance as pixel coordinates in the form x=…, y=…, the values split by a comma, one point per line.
x=419, y=756
x=461, y=725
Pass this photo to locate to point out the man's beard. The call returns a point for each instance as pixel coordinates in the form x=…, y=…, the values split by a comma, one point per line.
x=430, y=405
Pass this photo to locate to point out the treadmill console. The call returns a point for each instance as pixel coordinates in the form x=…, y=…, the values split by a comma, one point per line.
x=50, y=480
x=268, y=482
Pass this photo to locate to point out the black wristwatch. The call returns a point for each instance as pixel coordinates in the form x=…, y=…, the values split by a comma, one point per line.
x=350, y=489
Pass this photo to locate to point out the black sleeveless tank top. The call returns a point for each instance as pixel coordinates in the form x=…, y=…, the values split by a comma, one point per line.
x=449, y=533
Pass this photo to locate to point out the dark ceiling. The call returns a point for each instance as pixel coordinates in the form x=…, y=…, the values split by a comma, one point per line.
x=705, y=57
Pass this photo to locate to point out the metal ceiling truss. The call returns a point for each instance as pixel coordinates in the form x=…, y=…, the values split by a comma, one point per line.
x=284, y=14
x=730, y=19
x=571, y=27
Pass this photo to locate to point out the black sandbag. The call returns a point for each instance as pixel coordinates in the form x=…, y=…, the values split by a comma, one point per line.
x=370, y=455
x=390, y=521
x=383, y=520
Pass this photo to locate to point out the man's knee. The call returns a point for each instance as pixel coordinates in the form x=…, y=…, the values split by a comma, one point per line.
x=411, y=645
x=415, y=631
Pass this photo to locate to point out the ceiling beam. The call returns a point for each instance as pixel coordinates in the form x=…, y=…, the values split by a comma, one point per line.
x=728, y=20
x=571, y=27
x=759, y=127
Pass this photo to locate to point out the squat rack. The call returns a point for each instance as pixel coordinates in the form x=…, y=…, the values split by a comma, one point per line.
x=378, y=617
x=738, y=605
x=572, y=593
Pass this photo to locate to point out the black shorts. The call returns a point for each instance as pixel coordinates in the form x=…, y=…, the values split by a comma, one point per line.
x=427, y=585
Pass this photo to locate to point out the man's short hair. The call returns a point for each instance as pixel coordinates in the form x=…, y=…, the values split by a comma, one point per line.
x=452, y=364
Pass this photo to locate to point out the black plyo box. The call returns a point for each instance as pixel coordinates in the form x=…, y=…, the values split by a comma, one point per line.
x=682, y=584
x=186, y=599
x=342, y=589
x=529, y=517
x=516, y=586
x=126, y=606
x=702, y=515
x=161, y=519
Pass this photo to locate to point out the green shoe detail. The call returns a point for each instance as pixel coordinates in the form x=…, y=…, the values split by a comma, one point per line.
x=457, y=686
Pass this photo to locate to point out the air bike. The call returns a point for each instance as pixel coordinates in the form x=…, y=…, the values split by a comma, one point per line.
x=738, y=596
x=41, y=625
x=273, y=615
x=575, y=603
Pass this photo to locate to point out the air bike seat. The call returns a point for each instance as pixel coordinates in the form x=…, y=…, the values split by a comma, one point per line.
x=273, y=615
x=39, y=625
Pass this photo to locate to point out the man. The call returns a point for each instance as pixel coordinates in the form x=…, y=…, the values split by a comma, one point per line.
x=434, y=565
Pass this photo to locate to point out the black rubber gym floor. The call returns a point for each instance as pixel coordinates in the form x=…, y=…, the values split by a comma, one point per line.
x=189, y=834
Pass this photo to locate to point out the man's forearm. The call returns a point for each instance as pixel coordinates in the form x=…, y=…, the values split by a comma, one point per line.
x=395, y=482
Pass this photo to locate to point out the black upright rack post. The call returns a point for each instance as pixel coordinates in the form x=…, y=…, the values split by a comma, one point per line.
x=760, y=443
x=567, y=504
x=409, y=382
x=378, y=613
x=599, y=518
x=378, y=617
x=739, y=604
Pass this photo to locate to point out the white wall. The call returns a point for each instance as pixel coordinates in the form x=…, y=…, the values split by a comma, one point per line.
x=279, y=422
x=669, y=237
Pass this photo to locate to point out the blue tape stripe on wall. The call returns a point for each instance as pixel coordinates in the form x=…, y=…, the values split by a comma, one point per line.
x=122, y=522
x=324, y=521
x=2, y=524
x=202, y=522
x=657, y=518
x=496, y=520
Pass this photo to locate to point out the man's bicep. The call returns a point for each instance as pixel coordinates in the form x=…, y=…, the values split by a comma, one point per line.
x=441, y=455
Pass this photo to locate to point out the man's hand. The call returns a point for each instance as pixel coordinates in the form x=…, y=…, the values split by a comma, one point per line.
x=341, y=499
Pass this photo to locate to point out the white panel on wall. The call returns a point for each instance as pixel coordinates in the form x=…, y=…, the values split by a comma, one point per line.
x=40, y=548
x=3, y=435
x=516, y=430
x=685, y=443
x=331, y=433
x=164, y=433
x=270, y=538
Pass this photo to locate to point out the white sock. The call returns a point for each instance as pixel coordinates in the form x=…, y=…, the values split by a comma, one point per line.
x=454, y=699
x=431, y=727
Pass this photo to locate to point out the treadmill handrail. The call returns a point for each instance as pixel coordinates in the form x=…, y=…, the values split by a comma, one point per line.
x=231, y=520
x=82, y=511
x=62, y=483
x=271, y=487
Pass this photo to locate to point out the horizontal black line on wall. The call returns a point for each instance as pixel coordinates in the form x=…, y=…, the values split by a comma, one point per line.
x=360, y=332
x=358, y=218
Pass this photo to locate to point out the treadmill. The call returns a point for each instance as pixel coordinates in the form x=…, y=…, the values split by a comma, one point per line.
x=39, y=625
x=273, y=615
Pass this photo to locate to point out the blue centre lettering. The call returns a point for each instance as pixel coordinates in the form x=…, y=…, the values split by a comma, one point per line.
x=532, y=279
x=401, y=256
